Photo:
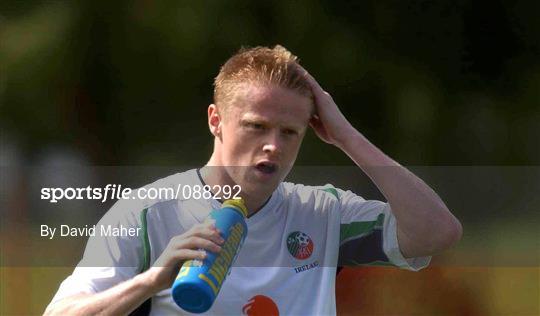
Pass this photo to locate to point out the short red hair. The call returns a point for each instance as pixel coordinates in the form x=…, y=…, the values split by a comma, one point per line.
x=261, y=65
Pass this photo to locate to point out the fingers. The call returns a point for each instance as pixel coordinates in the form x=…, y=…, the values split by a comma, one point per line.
x=207, y=231
x=172, y=257
x=195, y=242
x=317, y=89
x=182, y=248
x=203, y=236
x=188, y=254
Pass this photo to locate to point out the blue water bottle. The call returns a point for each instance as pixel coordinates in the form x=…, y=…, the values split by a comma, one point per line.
x=198, y=282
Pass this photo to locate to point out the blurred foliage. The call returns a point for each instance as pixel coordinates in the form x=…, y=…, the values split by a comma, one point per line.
x=128, y=82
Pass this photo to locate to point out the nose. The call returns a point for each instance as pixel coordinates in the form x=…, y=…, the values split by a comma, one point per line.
x=272, y=144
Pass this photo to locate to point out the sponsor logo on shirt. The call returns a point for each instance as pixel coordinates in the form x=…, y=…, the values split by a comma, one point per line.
x=299, y=245
x=260, y=305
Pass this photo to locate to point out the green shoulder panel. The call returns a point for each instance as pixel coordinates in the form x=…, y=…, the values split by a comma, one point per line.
x=145, y=242
x=355, y=229
x=332, y=191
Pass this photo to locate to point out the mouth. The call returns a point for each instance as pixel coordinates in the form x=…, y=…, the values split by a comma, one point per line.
x=266, y=167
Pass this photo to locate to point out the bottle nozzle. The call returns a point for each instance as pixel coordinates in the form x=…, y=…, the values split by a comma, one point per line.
x=238, y=204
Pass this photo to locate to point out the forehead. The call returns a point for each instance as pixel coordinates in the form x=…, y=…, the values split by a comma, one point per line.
x=271, y=102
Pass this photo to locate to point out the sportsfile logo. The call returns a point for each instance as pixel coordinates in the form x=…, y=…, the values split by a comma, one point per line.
x=119, y=192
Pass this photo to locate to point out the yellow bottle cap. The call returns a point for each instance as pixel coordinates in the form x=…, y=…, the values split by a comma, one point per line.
x=237, y=204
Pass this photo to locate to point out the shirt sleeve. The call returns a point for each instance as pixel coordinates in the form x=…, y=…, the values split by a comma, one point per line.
x=108, y=260
x=368, y=234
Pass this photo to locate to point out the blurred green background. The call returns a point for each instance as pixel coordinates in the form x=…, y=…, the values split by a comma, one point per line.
x=432, y=83
x=128, y=82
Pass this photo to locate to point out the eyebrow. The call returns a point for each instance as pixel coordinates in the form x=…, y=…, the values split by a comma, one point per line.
x=261, y=120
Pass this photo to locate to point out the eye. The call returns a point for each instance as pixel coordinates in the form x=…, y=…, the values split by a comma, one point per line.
x=289, y=131
x=255, y=126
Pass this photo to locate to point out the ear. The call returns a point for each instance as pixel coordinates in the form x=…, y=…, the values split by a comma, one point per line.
x=214, y=120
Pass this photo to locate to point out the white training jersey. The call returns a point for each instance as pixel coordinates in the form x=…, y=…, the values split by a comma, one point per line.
x=287, y=265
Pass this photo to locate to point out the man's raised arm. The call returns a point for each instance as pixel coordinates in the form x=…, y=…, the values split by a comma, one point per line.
x=425, y=226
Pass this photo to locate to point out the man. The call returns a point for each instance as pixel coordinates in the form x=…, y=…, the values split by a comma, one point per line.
x=264, y=102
